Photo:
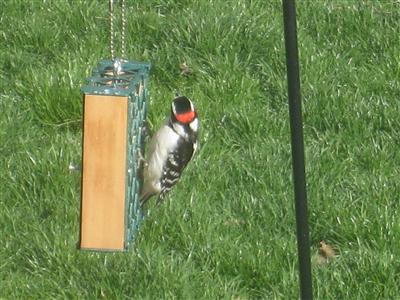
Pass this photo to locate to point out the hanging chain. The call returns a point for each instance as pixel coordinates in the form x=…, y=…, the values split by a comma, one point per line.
x=112, y=29
x=123, y=29
x=112, y=34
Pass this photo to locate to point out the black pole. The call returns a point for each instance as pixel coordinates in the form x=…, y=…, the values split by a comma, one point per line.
x=296, y=128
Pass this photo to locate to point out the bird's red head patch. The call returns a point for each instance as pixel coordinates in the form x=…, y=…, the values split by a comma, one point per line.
x=186, y=118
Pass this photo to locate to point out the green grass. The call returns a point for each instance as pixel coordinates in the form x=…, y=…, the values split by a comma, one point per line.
x=239, y=241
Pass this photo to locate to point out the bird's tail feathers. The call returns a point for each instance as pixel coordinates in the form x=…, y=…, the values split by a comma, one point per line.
x=144, y=197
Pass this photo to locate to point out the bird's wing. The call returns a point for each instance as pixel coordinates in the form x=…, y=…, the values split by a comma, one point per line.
x=176, y=163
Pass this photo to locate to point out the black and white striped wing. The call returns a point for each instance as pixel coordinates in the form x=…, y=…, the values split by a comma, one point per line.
x=176, y=163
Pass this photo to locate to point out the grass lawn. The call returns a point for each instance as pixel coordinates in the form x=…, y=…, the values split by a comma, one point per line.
x=228, y=228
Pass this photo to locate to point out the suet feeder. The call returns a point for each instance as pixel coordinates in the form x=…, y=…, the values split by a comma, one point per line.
x=114, y=112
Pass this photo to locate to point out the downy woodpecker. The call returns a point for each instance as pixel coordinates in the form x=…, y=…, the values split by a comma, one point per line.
x=170, y=150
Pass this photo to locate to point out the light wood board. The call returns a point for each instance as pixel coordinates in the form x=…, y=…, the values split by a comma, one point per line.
x=104, y=172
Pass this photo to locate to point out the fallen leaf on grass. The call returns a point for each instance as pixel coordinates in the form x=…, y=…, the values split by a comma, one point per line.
x=185, y=70
x=325, y=253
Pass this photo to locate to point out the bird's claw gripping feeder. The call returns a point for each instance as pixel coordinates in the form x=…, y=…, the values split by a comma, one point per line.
x=114, y=113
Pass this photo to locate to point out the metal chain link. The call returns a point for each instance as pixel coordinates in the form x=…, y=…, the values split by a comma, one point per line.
x=112, y=29
x=112, y=20
x=123, y=29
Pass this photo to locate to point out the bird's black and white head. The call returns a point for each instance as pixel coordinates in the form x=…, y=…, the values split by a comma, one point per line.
x=184, y=118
